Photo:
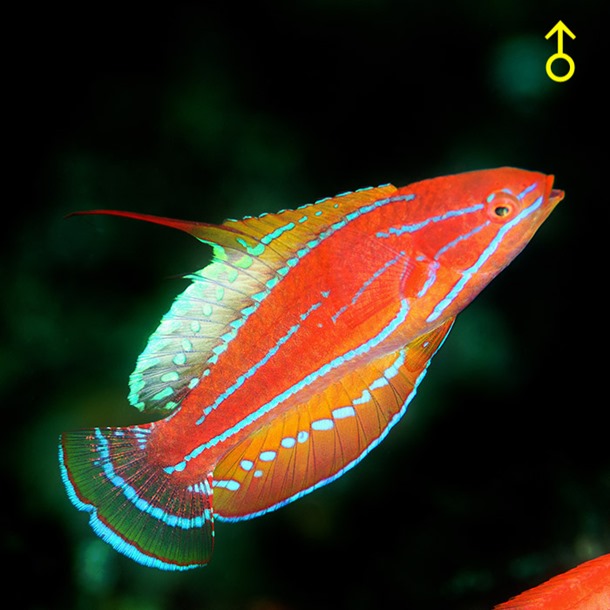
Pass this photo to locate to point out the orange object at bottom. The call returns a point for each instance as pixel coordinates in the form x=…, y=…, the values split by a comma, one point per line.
x=585, y=587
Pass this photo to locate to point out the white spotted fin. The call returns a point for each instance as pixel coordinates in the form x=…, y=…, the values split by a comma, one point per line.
x=196, y=330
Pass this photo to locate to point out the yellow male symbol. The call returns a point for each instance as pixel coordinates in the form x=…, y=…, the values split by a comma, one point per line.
x=560, y=28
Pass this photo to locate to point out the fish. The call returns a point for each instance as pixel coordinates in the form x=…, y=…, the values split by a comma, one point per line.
x=585, y=587
x=292, y=354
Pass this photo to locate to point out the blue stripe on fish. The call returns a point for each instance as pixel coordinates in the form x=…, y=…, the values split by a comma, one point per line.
x=485, y=255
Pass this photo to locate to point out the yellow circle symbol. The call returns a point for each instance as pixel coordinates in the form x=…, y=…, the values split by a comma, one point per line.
x=555, y=77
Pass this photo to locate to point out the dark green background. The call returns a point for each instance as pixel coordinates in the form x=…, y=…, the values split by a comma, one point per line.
x=499, y=475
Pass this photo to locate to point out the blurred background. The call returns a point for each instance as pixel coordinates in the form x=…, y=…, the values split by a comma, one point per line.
x=498, y=477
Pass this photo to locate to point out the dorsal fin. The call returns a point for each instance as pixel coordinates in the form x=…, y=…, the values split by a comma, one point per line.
x=272, y=238
x=250, y=257
x=286, y=233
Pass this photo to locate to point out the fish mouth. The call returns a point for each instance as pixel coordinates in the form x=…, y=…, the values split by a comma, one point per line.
x=554, y=196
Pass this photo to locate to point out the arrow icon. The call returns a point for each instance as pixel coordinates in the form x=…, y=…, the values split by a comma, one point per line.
x=560, y=28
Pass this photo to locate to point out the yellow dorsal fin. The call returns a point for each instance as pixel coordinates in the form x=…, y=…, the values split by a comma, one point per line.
x=277, y=237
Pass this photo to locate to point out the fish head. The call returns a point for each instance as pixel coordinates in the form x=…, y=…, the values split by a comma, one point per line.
x=484, y=219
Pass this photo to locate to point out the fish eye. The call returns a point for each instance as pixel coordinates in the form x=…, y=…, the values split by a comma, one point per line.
x=501, y=210
x=501, y=206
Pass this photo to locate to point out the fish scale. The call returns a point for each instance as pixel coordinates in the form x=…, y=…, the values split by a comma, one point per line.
x=292, y=354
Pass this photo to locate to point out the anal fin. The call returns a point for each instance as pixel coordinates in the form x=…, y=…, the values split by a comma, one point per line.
x=314, y=443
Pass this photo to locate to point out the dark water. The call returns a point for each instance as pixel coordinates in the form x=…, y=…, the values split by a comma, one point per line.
x=499, y=475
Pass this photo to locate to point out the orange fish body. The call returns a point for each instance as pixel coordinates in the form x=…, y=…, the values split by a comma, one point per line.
x=585, y=587
x=292, y=354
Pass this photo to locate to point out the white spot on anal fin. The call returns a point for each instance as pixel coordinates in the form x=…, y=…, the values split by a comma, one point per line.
x=228, y=484
x=343, y=412
x=247, y=465
x=364, y=398
x=322, y=424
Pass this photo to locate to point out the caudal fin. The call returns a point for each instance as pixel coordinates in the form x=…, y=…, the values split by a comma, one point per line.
x=133, y=504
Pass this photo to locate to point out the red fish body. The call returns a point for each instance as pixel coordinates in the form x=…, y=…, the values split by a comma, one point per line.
x=292, y=354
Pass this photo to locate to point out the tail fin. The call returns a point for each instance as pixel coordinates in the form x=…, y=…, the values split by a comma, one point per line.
x=134, y=505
